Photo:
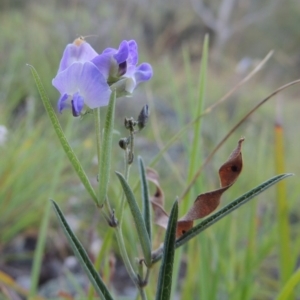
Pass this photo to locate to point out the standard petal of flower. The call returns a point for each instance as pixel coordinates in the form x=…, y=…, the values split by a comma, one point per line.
x=104, y=63
x=109, y=50
x=93, y=86
x=76, y=53
x=85, y=79
x=133, y=53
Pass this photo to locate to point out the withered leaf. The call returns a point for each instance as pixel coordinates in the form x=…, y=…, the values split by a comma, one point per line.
x=157, y=200
x=205, y=203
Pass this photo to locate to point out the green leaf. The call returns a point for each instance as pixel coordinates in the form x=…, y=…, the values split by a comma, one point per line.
x=61, y=136
x=286, y=264
x=195, y=153
x=228, y=209
x=105, y=155
x=164, y=284
x=289, y=287
x=146, y=211
x=138, y=220
x=223, y=212
x=82, y=256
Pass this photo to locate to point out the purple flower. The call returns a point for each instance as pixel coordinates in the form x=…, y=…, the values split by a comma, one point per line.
x=79, y=81
x=86, y=78
x=119, y=66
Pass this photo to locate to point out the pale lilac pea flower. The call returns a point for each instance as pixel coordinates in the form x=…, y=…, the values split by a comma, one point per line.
x=79, y=81
x=86, y=78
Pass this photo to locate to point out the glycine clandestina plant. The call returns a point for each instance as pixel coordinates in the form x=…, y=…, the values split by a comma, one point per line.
x=88, y=79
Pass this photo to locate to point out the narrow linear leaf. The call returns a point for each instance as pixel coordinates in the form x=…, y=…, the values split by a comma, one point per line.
x=82, y=256
x=105, y=155
x=61, y=136
x=283, y=230
x=289, y=287
x=229, y=208
x=146, y=212
x=222, y=213
x=195, y=149
x=138, y=220
x=166, y=269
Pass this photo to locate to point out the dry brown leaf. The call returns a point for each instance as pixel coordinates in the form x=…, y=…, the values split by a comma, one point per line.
x=205, y=203
x=157, y=200
x=158, y=197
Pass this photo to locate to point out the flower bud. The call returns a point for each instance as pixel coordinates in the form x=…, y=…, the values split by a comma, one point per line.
x=143, y=117
x=123, y=143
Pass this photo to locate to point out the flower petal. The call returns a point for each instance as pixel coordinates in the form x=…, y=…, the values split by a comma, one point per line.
x=66, y=82
x=133, y=53
x=130, y=84
x=104, y=63
x=85, y=79
x=77, y=104
x=76, y=53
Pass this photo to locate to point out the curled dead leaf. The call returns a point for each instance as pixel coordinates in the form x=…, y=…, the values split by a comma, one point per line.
x=205, y=203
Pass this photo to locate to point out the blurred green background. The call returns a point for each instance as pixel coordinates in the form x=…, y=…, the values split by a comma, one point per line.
x=170, y=35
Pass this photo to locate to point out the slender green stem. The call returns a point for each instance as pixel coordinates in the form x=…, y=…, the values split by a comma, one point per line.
x=98, y=133
x=143, y=294
x=131, y=154
x=126, y=176
x=147, y=275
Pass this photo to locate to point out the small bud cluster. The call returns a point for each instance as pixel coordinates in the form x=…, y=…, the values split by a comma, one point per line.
x=127, y=143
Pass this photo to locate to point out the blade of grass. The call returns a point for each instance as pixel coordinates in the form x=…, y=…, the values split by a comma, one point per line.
x=9, y=281
x=105, y=155
x=164, y=282
x=61, y=136
x=195, y=154
x=285, y=259
x=82, y=256
x=289, y=287
x=73, y=280
x=138, y=220
x=196, y=159
x=249, y=253
x=104, y=249
x=223, y=212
